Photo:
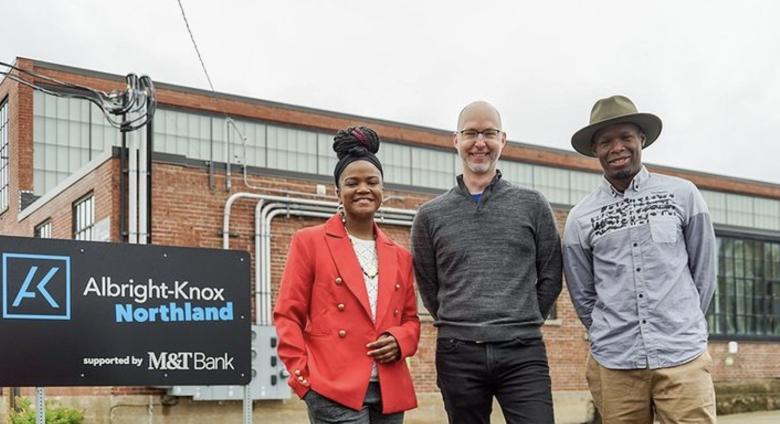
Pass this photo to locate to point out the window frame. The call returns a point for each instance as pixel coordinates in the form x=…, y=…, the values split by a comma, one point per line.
x=5, y=160
x=89, y=227
x=759, y=284
x=44, y=224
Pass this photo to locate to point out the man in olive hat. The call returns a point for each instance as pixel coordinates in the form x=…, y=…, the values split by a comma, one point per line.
x=639, y=259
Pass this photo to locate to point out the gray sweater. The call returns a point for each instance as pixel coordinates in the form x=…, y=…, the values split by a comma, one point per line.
x=487, y=271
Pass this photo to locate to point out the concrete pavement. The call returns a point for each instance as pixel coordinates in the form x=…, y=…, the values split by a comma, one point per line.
x=763, y=417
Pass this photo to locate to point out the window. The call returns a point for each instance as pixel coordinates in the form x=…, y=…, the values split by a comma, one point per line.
x=433, y=168
x=292, y=149
x=395, y=162
x=67, y=134
x=521, y=174
x=4, y=155
x=740, y=210
x=747, y=299
x=553, y=183
x=582, y=184
x=43, y=230
x=84, y=218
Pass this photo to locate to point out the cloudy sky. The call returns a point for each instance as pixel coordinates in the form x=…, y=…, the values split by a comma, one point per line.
x=710, y=69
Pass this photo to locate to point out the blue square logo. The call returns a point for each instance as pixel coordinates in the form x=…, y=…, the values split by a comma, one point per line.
x=36, y=287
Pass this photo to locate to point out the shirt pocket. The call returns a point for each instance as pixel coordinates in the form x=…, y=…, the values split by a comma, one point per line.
x=663, y=230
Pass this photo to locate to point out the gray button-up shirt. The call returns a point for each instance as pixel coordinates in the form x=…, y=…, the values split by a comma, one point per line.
x=640, y=267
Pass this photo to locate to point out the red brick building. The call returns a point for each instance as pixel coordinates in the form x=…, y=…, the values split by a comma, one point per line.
x=60, y=177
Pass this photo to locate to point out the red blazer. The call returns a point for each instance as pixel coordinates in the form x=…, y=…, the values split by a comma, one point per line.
x=323, y=319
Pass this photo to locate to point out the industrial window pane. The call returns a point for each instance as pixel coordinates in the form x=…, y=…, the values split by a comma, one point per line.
x=38, y=104
x=84, y=218
x=219, y=135
x=61, y=157
x=521, y=174
x=326, y=157
x=553, y=183
x=74, y=110
x=292, y=149
x=396, y=163
x=252, y=151
x=432, y=168
x=739, y=210
x=203, y=150
x=103, y=133
x=716, y=203
x=50, y=104
x=62, y=131
x=63, y=138
x=62, y=108
x=258, y=142
x=747, y=298
x=767, y=213
x=582, y=184
x=185, y=134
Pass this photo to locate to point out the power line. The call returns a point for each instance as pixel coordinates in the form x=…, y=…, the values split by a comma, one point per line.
x=228, y=119
x=194, y=44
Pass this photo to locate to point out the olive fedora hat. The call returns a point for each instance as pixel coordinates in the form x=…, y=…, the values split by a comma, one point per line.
x=615, y=110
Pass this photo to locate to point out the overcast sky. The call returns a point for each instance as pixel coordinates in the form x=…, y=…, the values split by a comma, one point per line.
x=709, y=69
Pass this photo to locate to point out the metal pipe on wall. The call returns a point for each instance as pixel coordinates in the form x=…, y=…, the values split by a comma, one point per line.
x=132, y=200
x=267, y=208
x=142, y=188
x=227, y=153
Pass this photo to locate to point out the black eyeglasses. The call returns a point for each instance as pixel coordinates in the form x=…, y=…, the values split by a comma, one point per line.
x=489, y=134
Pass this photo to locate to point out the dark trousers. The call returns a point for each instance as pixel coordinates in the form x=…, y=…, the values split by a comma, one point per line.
x=469, y=374
x=325, y=411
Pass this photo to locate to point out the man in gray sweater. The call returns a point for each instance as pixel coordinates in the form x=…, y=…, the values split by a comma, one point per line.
x=487, y=258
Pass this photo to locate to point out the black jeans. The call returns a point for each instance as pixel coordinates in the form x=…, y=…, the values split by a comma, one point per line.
x=516, y=372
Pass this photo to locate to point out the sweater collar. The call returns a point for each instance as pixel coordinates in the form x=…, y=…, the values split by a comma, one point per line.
x=462, y=189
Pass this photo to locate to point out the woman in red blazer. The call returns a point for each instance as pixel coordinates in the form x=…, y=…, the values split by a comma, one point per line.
x=346, y=314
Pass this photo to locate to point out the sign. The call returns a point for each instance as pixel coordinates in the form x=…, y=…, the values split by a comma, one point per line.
x=107, y=314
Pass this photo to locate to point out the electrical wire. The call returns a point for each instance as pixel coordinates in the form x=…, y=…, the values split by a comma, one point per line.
x=113, y=105
x=229, y=121
x=194, y=44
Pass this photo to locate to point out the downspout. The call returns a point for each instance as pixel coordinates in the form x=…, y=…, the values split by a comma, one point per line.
x=143, y=186
x=133, y=189
x=227, y=154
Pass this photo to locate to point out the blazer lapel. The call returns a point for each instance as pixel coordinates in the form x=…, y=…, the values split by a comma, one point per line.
x=388, y=269
x=346, y=262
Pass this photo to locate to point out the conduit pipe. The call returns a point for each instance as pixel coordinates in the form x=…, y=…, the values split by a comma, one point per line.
x=263, y=246
x=269, y=207
x=284, y=199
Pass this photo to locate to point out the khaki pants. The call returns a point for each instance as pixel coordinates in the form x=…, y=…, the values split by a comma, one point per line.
x=681, y=394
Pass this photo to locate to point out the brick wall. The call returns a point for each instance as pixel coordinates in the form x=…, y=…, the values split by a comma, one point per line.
x=186, y=212
x=102, y=182
x=20, y=124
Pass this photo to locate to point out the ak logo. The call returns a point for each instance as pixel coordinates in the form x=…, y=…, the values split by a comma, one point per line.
x=36, y=287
